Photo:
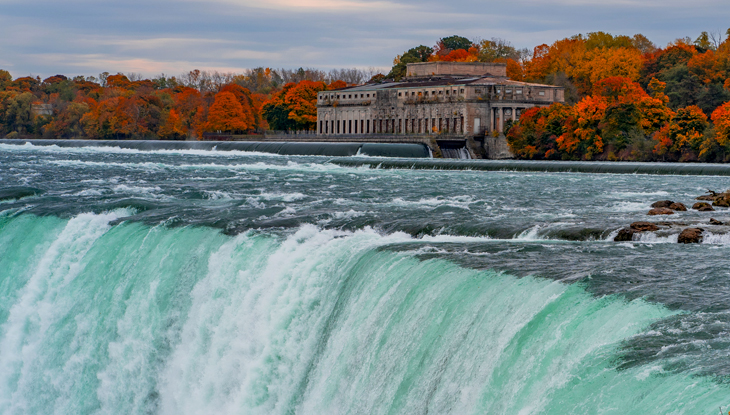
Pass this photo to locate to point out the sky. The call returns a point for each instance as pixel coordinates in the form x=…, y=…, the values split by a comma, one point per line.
x=152, y=37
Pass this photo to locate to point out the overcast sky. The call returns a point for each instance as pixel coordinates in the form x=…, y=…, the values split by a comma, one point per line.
x=85, y=37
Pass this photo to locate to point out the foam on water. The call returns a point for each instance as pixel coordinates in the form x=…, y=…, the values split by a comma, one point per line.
x=131, y=319
x=118, y=150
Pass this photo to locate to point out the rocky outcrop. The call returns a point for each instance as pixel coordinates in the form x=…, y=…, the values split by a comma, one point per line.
x=662, y=204
x=717, y=199
x=690, y=236
x=722, y=201
x=680, y=207
x=661, y=211
x=625, y=235
x=714, y=221
x=643, y=226
x=702, y=207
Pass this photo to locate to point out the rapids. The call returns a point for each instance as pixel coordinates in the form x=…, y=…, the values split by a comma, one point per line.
x=199, y=282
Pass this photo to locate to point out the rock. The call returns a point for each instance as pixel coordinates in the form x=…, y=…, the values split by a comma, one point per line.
x=702, y=207
x=643, y=226
x=662, y=204
x=690, y=236
x=678, y=207
x=714, y=221
x=625, y=235
x=722, y=202
x=661, y=211
x=710, y=198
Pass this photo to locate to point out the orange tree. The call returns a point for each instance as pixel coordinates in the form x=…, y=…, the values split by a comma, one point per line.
x=721, y=119
x=172, y=126
x=683, y=136
x=243, y=96
x=534, y=137
x=226, y=114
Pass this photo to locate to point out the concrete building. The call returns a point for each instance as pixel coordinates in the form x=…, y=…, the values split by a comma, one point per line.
x=454, y=102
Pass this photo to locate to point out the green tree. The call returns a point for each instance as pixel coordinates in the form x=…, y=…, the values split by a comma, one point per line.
x=19, y=113
x=491, y=50
x=5, y=79
x=455, y=42
x=414, y=55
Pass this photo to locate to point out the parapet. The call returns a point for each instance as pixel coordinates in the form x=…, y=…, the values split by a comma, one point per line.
x=455, y=69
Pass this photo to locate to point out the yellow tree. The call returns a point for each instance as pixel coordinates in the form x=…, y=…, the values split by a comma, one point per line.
x=601, y=63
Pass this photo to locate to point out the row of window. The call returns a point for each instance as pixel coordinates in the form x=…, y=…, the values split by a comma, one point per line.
x=434, y=92
x=392, y=126
x=344, y=96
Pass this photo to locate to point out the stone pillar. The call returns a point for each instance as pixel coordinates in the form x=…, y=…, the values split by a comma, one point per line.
x=488, y=122
x=514, y=114
x=501, y=119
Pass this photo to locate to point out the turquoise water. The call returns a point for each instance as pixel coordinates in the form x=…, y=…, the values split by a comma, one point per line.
x=192, y=283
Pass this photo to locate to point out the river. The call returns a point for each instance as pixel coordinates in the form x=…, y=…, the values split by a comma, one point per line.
x=201, y=282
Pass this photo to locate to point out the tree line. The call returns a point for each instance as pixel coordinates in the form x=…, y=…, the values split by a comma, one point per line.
x=626, y=98
x=127, y=106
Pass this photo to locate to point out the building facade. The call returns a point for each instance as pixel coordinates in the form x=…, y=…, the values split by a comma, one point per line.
x=440, y=98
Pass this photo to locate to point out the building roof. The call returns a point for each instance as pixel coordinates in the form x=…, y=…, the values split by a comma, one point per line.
x=489, y=80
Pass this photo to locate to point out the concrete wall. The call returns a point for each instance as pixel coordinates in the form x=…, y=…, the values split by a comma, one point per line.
x=455, y=69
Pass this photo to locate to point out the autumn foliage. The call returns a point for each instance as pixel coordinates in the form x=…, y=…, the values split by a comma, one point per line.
x=626, y=99
x=117, y=107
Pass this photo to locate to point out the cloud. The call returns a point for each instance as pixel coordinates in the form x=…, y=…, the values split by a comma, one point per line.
x=331, y=6
x=173, y=36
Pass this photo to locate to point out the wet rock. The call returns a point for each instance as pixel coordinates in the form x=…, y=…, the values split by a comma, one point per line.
x=702, y=207
x=643, y=226
x=625, y=235
x=710, y=198
x=680, y=207
x=661, y=211
x=662, y=204
x=714, y=221
x=690, y=236
x=723, y=201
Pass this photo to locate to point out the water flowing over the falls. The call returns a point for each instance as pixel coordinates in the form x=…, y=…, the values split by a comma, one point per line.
x=101, y=316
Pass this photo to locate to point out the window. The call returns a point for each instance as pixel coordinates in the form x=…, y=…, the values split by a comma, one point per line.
x=518, y=91
x=368, y=95
x=413, y=93
x=508, y=91
x=338, y=96
x=447, y=92
x=433, y=92
x=499, y=90
x=541, y=93
x=349, y=96
x=441, y=92
x=478, y=91
x=400, y=94
x=362, y=95
x=461, y=91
